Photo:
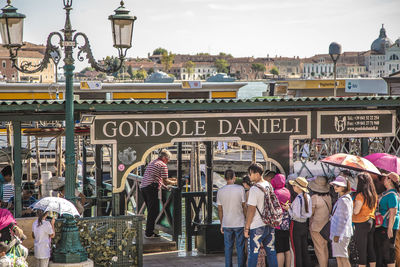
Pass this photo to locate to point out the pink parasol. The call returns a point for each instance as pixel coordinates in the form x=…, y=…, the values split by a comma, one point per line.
x=351, y=162
x=385, y=162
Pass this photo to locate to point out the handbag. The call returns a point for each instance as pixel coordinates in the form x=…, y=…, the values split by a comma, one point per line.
x=285, y=224
x=326, y=230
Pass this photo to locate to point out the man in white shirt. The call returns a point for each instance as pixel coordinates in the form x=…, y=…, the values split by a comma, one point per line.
x=231, y=209
x=255, y=229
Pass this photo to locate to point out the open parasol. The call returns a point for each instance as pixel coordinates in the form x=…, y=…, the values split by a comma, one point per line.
x=385, y=162
x=56, y=204
x=351, y=162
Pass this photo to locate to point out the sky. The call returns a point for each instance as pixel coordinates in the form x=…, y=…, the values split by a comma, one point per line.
x=239, y=27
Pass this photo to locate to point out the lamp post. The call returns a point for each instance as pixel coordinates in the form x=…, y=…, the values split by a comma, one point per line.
x=11, y=30
x=335, y=50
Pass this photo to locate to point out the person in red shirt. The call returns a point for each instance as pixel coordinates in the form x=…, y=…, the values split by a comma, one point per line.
x=154, y=179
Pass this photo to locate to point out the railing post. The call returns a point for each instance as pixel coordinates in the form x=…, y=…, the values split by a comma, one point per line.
x=17, y=168
x=85, y=181
x=209, y=173
x=188, y=222
x=179, y=165
x=364, y=147
x=99, y=179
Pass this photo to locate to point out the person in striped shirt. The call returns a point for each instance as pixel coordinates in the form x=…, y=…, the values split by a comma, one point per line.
x=154, y=179
x=5, y=177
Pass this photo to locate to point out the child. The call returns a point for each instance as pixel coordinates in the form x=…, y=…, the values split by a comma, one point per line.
x=4, y=260
x=42, y=232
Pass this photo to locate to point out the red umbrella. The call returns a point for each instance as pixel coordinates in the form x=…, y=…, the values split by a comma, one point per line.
x=385, y=162
x=351, y=162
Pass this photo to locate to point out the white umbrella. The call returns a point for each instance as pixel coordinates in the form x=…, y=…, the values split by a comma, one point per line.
x=56, y=204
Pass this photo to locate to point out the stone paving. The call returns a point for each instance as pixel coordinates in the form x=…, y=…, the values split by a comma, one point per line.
x=182, y=258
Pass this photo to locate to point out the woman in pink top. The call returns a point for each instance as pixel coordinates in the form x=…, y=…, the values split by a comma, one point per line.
x=282, y=235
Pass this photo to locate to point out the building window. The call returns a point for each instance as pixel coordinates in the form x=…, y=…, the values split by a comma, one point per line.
x=4, y=64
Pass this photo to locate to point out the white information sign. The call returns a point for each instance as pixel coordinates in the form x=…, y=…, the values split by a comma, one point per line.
x=91, y=85
x=367, y=86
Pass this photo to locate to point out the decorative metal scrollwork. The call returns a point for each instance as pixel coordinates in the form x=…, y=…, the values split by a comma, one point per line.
x=52, y=52
x=108, y=66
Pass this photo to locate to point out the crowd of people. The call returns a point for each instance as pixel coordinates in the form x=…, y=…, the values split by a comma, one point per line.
x=12, y=252
x=352, y=225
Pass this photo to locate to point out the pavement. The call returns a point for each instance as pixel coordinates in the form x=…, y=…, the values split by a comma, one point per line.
x=183, y=258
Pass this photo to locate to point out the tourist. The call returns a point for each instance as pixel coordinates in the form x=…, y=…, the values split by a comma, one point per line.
x=300, y=210
x=154, y=178
x=341, y=221
x=8, y=192
x=321, y=210
x=231, y=209
x=80, y=197
x=282, y=235
x=4, y=260
x=365, y=203
x=5, y=177
x=255, y=229
x=389, y=206
x=9, y=230
x=247, y=184
x=27, y=200
x=42, y=232
x=268, y=175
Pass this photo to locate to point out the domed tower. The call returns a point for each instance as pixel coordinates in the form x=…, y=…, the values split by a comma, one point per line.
x=382, y=42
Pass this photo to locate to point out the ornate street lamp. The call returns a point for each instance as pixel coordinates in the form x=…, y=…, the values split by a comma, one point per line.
x=11, y=30
x=335, y=50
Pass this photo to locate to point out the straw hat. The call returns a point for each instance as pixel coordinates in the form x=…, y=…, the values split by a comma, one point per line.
x=301, y=182
x=319, y=185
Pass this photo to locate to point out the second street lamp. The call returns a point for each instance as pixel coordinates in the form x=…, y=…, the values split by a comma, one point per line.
x=11, y=29
x=335, y=50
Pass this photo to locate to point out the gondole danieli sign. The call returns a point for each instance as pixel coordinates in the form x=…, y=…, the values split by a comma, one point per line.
x=134, y=137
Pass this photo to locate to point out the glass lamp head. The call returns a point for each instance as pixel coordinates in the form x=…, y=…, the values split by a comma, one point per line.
x=122, y=27
x=11, y=26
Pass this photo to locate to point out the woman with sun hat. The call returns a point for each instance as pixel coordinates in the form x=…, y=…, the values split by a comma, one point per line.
x=341, y=221
x=300, y=211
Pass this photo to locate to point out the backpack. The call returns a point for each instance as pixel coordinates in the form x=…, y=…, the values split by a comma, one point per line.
x=272, y=214
x=379, y=218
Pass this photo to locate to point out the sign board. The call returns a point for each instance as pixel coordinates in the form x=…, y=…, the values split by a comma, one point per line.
x=368, y=86
x=91, y=85
x=315, y=84
x=191, y=85
x=356, y=123
x=135, y=136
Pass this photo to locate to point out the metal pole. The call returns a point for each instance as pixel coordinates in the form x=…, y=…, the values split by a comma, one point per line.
x=17, y=168
x=364, y=146
x=179, y=165
x=334, y=79
x=209, y=173
x=69, y=112
x=99, y=179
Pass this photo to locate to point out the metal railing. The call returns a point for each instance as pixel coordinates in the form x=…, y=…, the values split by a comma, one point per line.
x=110, y=241
x=195, y=213
x=169, y=218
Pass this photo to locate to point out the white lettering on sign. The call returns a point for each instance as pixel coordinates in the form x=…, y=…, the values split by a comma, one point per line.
x=220, y=127
x=200, y=125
